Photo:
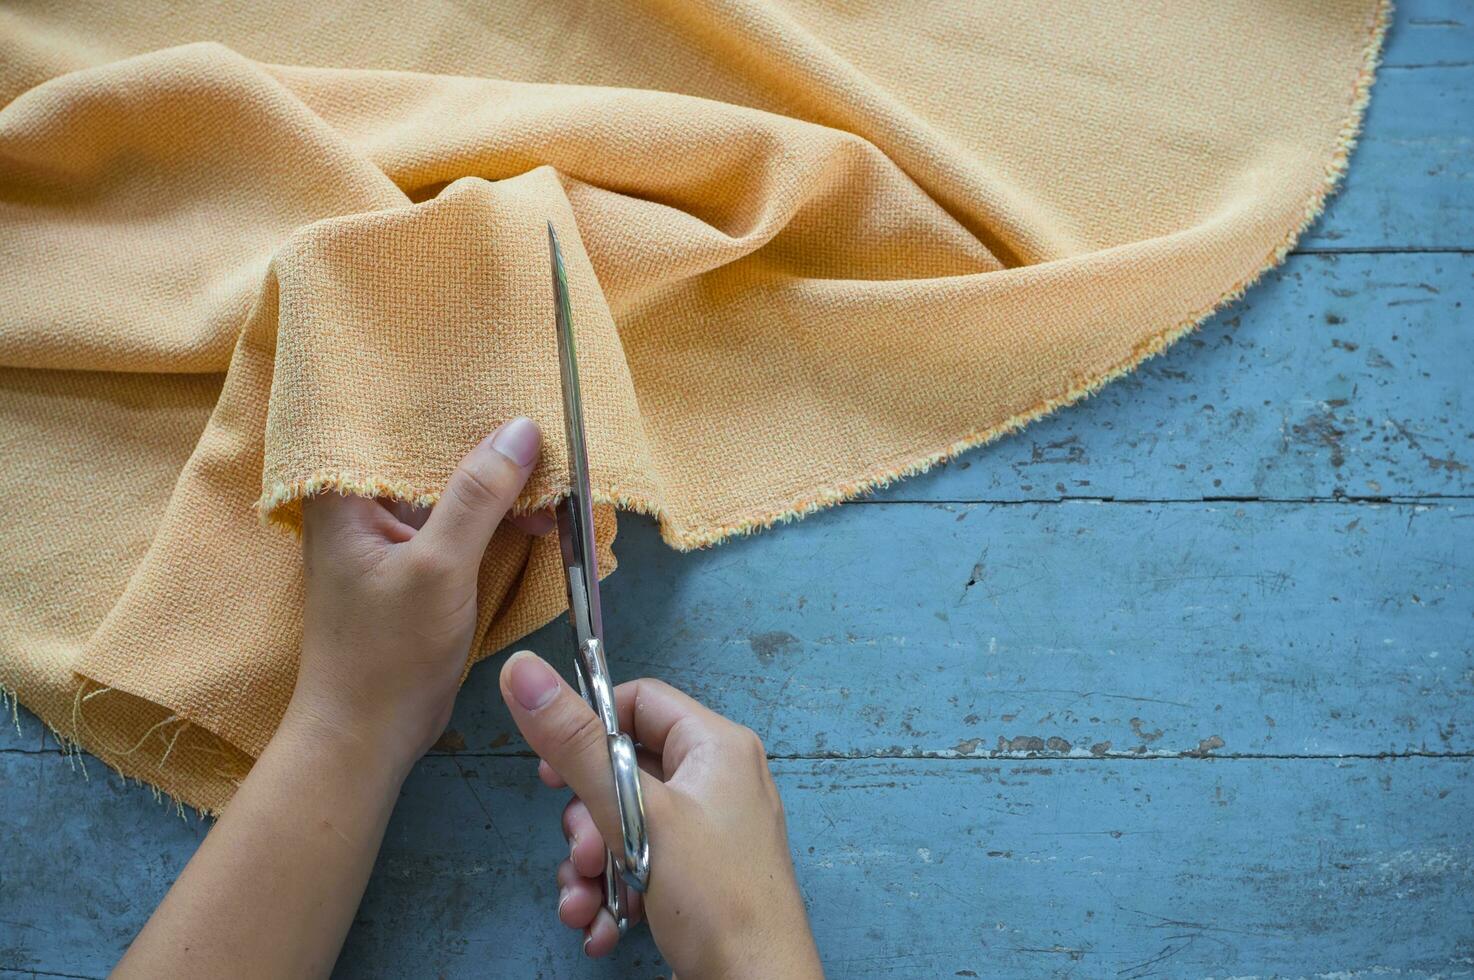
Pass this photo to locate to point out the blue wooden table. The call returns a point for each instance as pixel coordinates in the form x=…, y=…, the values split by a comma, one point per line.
x=1179, y=682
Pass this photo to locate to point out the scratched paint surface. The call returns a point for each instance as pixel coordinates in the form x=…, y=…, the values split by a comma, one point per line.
x=1179, y=682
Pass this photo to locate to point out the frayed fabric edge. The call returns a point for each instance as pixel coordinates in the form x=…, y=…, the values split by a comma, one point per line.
x=78, y=744
x=275, y=505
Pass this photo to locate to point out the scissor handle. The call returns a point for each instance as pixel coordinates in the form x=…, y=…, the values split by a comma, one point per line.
x=631, y=867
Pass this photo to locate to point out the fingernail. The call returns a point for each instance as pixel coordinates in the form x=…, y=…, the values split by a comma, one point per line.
x=562, y=899
x=572, y=847
x=518, y=440
x=532, y=681
x=586, y=940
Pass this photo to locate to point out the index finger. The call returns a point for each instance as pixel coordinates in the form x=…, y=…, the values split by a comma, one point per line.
x=665, y=720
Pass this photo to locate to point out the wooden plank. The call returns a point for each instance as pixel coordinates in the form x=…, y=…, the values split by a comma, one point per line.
x=1411, y=182
x=85, y=859
x=1337, y=375
x=911, y=868
x=1056, y=629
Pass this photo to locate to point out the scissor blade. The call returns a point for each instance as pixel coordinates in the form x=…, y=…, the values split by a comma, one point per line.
x=576, y=514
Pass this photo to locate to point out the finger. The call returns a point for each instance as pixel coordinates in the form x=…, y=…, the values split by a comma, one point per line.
x=602, y=936
x=585, y=845
x=480, y=492
x=565, y=732
x=649, y=761
x=665, y=720
x=579, y=898
x=550, y=778
x=537, y=523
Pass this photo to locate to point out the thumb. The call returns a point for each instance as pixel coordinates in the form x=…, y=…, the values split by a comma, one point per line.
x=480, y=492
x=565, y=733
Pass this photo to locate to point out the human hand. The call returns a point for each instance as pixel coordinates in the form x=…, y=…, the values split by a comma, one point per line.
x=723, y=900
x=391, y=600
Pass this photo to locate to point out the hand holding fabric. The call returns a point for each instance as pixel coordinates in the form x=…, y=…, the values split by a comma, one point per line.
x=391, y=599
x=391, y=614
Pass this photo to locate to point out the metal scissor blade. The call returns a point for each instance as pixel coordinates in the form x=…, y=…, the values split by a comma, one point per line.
x=631, y=868
x=576, y=515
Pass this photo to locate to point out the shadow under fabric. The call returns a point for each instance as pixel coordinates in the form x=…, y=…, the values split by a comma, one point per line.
x=811, y=249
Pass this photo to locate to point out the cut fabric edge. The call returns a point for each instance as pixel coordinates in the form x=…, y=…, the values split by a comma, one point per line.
x=281, y=503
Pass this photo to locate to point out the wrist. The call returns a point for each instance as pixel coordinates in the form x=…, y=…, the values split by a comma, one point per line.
x=780, y=946
x=309, y=730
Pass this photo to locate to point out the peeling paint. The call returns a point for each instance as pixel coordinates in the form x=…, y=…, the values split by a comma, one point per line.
x=1207, y=745
x=767, y=646
x=1141, y=733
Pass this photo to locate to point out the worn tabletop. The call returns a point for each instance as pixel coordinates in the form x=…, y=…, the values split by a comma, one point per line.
x=1178, y=682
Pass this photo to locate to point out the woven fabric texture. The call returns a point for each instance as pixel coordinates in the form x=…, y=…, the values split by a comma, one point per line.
x=249, y=252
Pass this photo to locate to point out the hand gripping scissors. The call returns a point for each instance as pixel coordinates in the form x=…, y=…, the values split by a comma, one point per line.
x=630, y=867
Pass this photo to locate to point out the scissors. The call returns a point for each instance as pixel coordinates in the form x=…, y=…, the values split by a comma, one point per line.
x=630, y=868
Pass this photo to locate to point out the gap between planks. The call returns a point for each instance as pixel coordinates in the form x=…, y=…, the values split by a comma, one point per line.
x=1430, y=500
x=1188, y=755
x=1386, y=250
x=949, y=756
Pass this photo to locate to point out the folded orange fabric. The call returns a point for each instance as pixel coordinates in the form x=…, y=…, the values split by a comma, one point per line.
x=813, y=247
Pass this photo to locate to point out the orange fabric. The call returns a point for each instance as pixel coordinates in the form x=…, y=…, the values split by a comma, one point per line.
x=813, y=246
